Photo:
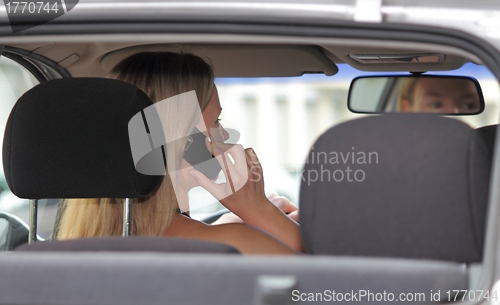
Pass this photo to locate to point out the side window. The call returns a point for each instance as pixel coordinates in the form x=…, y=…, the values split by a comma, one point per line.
x=14, y=81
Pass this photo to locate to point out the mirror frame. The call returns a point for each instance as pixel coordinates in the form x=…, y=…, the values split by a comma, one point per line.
x=380, y=106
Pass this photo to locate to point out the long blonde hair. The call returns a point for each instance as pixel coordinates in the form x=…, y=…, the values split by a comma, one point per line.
x=160, y=75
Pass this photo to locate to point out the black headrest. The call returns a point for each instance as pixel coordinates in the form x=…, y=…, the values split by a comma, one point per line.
x=408, y=185
x=129, y=244
x=489, y=134
x=69, y=138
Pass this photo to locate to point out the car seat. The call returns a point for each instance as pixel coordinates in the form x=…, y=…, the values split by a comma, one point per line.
x=418, y=188
x=489, y=134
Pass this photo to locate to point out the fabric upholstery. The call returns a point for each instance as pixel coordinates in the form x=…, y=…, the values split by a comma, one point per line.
x=160, y=278
x=129, y=244
x=68, y=138
x=489, y=134
x=423, y=193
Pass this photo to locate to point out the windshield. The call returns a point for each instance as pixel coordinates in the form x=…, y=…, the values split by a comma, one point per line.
x=282, y=117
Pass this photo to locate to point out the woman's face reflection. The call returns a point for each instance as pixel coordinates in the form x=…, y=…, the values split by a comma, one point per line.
x=441, y=95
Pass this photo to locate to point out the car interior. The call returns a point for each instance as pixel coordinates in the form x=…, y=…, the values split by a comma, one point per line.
x=412, y=220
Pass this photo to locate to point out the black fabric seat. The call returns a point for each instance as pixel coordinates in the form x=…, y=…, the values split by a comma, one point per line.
x=130, y=244
x=69, y=138
x=489, y=134
x=418, y=189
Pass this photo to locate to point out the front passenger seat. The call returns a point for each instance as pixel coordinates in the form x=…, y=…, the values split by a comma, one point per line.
x=489, y=134
x=418, y=188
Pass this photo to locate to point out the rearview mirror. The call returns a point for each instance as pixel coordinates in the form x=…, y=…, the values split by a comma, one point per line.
x=451, y=95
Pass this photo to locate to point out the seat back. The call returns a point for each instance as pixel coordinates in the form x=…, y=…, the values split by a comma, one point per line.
x=397, y=185
x=130, y=244
x=156, y=278
x=489, y=134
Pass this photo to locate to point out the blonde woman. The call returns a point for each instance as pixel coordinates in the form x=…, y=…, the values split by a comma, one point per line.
x=438, y=95
x=267, y=230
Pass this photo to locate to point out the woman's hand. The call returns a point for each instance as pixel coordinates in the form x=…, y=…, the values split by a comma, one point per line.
x=243, y=193
x=285, y=205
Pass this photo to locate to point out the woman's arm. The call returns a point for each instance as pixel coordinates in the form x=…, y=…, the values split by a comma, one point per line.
x=247, y=240
x=283, y=203
x=244, y=195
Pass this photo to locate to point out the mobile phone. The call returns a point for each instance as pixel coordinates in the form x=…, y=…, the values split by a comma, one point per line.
x=197, y=154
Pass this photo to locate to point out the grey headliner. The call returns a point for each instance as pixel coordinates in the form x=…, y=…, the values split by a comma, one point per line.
x=241, y=56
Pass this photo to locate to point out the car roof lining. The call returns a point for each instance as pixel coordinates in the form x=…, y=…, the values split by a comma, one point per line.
x=93, y=55
x=249, y=60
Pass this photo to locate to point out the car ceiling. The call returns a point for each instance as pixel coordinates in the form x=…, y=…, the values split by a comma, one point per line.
x=247, y=59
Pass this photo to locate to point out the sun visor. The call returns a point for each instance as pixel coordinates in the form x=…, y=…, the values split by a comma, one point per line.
x=243, y=60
